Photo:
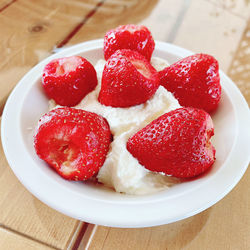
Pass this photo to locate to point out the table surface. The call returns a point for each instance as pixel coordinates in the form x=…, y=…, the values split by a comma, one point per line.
x=32, y=30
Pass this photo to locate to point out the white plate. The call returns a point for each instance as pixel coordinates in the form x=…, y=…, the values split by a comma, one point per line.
x=98, y=205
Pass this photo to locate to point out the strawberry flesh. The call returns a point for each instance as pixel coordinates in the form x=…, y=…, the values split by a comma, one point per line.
x=73, y=142
x=68, y=80
x=142, y=68
x=128, y=79
x=67, y=64
x=133, y=37
x=177, y=143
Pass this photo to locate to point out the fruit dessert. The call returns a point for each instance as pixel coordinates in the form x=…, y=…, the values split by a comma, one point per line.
x=133, y=37
x=68, y=89
x=196, y=76
x=74, y=142
x=132, y=122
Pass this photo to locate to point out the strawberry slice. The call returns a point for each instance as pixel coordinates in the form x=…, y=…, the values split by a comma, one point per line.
x=73, y=142
x=134, y=37
x=68, y=80
x=177, y=143
x=194, y=81
x=128, y=79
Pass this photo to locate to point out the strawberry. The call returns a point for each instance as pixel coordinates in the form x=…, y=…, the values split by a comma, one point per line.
x=194, y=81
x=134, y=37
x=128, y=79
x=73, y=142
x=67, y=80
x=177, y=143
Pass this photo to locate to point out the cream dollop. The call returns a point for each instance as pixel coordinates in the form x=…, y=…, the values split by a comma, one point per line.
x=121, y=170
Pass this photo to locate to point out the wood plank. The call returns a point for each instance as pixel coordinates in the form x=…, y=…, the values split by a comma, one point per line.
x=112, y=14
x=226, y=223
x=165, y=19
x=161, y=17
x=239, y=69
x=37, y=43
x=22, y=212
x=9, y=240
x=210, y=29
x=240, y=8
x=41, y=25
x=5, y=4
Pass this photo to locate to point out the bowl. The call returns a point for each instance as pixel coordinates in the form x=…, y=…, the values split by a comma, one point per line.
x=99, y=205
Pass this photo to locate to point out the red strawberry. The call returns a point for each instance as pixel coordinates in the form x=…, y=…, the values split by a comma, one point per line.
x=128, y=79
x=73, y=142
x=134, y=37
x=194, y=81
x=67, y=80
x=177, y=143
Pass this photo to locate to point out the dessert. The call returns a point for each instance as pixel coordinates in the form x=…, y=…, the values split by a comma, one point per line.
x=67, y=80
x=121, y=171
x=152, y=136
x=194, y=81
x=128, y=79
x=74, y=142
x=177, y=143
x=133, y=37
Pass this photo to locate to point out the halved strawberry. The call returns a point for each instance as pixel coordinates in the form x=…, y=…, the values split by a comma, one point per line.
x=128, y=79
x=73, y=142
x=177, y=143
x=194, y=81
x=134, y=37
x=67, y=80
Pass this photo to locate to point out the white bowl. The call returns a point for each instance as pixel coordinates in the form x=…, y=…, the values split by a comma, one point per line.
x=99, y=205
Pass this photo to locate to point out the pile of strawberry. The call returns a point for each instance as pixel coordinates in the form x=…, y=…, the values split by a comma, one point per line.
x=75, y=142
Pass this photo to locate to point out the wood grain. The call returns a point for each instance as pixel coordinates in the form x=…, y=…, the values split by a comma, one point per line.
x=227, y=224
x=112, y=14
x=22, y=212
x=223, y=226
x=239, y=69
x=239, y=8
x=210, y=29
x=40, y=26
x=11, y=241
x=4, y=4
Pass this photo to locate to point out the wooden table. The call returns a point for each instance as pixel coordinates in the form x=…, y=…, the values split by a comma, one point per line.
x=32, y=30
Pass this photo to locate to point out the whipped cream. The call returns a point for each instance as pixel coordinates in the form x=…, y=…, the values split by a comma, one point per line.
x=121, y=170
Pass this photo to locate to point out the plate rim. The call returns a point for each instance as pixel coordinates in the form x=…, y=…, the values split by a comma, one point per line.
x=242, y=113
